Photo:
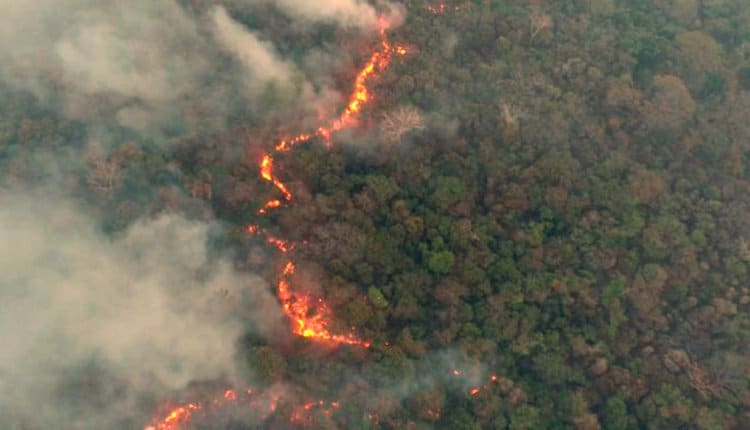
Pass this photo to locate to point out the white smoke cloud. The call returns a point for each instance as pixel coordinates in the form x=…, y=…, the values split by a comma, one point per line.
x=146, y=65
x=255, y=55
x=147, y=312
x=95, y=59
x=345, y=13
x=158, y=66
x=354, y=13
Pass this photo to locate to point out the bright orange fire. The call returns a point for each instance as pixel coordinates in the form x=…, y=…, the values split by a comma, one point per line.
x=266, y=172
x=310, y=317
x=176, y=417
x=474, y=391
x=379, y=61
x=301, y=414
x=268, y=401
x=180, y=416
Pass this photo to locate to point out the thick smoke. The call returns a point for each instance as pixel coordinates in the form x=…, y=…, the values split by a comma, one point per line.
x=136, y=62
x=345, y=13
x=96, y=331
x=93, y=326
x=256, y=55
x=157, y=66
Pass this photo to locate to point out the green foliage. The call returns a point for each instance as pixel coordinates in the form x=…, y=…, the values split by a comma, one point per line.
x=376, y=298
x=714, y=85
x=710, y=419
x=525, y=417
x=440, y=262
x=601, y=7
x=615, y=414
x=267, y=364
x=501, y=6
x=382, y=187
x=448, y=190
x=613, y=291
x=578, y=195
x=745, y=78
x=462, y=419
x=553, y=370
x=391, y=367
x=668, y=408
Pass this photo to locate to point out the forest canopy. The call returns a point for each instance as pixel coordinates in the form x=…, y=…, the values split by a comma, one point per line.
x=538, y=216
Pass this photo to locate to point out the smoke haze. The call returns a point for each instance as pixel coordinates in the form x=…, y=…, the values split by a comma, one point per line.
x=114, y=321
x=346, y=13
x=157, y=66
x=96, y=330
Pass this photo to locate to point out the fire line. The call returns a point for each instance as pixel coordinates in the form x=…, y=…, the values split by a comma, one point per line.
x=309, y=317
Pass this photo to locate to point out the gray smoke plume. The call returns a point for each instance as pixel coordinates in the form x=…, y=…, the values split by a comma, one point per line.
x=345, y=13
x=157, y=66
x=92, y=326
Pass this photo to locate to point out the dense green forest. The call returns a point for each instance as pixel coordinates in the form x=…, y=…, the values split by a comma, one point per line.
x=553, y=193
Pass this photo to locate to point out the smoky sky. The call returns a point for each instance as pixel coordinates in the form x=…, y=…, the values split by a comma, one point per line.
x=156, y=65
x=147, y=311
x=97, y=328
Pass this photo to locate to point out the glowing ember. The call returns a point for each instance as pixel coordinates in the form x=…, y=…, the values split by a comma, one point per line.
x=440, y=8
x=175, y=418
x=301, y=414
x=433, y=414
x=230, y=395
x=286, y=145
x=437, y=9
x=180, y=416
x=312, y=318
x=280, y=244
x=474, y=391
x=299, y=307
x=266, y=172
x=379, y=61
x=271, y=204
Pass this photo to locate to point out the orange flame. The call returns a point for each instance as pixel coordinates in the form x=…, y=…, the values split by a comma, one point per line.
x=286, y=145
x=301, y=413
x=175, y=418
x=299, y=307
x=280, y=244
x=474, y=391
x=230, y=395
x=310, y=318
x=361, y=94
x=266, y=172
x=271, y=204
x=181, y=416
